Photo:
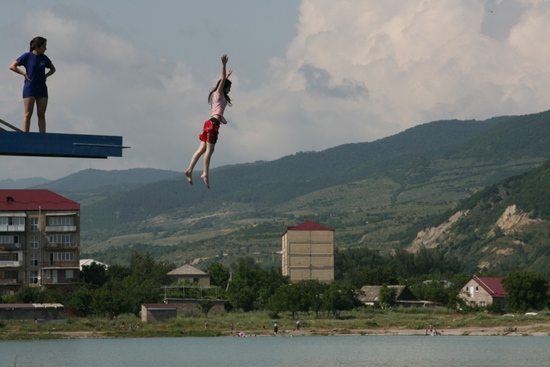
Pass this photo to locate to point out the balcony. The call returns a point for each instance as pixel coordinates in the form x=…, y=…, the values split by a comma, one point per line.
x=49, y=245
x=10, y=263
x=59, y=281
x=10, y=246
x=52, y=264
x=9, y=281
x=53, y=229
x=16, y=228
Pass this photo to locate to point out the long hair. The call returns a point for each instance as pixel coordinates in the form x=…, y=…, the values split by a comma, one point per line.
x=36, y=43
x=226, y=84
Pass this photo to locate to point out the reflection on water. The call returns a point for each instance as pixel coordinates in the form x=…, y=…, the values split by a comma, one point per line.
x=372, y=351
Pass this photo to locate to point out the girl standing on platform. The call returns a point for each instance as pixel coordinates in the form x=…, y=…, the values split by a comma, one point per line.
x=35, y=90
x=218, y=99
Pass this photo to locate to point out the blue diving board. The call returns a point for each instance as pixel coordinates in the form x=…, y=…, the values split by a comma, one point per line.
x=17, y=143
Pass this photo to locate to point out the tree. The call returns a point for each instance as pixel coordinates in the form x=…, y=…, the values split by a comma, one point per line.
x=288, y=298
x=219, y=274
x=126, y=288
x=30, y=295
x=340, y=296
x=145, y=267
x=117, y=272
x=386, y=296
x=303, y=296
x=242, y=290
x=111, y=300
x=313, y=291
x=80, y=300
x=205, y=305
x=252, y=287
x=379, y=275
x=526, y=290
x=93, y=274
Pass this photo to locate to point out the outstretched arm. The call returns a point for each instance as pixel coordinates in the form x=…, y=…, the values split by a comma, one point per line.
x=225, y=74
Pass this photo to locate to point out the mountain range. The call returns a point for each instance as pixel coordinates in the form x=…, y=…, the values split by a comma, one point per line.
x=385, y=194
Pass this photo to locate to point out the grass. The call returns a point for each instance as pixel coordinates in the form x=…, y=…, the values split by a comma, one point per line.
x=362, y=322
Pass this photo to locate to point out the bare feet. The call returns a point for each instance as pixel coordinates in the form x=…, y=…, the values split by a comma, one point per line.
x=205, y=179
x=189, y=177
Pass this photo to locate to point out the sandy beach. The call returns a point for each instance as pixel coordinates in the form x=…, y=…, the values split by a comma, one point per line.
x=539, y=329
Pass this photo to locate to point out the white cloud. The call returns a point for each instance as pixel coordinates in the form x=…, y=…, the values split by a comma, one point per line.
x=419, y=61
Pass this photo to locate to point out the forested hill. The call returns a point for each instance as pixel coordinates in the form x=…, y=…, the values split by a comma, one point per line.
x=265, y=184
x=375, y=194
x=99, y=180
x=500, y=228
x=512, y=138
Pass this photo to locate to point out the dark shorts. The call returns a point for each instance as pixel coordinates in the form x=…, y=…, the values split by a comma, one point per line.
x=210, y=131
x=39, y=90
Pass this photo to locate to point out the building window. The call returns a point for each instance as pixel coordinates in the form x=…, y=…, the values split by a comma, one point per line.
x=62, y=256
x=8, y=274
x=12, y=221
x=48, y=274
x=34, y=277
x=61, y=221
x=477, y=289
x=69, y=274
x=8, y=240
x=64, y=240
x=9, y=256
x=34, y=242
x=34, y=259
x=34, y=224
x=482, y=303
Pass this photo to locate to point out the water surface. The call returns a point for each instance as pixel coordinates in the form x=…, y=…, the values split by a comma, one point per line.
x=314, y=351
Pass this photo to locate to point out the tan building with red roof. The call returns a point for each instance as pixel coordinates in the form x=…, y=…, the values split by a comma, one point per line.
x=308, y=252
x=39, y=240
x=483, y=291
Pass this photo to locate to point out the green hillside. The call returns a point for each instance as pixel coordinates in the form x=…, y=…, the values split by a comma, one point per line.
x=264, y=184
x=378, y=194
x=503, y=227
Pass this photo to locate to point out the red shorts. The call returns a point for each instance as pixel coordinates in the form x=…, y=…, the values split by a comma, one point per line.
x=209, y=132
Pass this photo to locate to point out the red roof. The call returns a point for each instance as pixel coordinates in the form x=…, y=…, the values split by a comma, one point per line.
x=493, y=286
x=309, y=226
x=25, y=200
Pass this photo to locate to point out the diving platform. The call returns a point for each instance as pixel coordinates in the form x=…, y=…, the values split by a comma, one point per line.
x=18, y=143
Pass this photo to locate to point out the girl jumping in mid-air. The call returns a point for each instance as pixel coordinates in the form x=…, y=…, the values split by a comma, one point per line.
x=218, y=99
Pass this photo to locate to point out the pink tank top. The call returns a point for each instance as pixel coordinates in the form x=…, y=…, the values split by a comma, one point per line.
x=218, y=105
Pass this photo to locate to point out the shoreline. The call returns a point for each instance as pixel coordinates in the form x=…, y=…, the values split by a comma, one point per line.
x=540, y=330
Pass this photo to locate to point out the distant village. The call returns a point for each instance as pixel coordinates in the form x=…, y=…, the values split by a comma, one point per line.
x=39, y=248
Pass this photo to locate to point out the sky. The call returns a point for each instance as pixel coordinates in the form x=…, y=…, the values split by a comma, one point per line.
x=307, y=74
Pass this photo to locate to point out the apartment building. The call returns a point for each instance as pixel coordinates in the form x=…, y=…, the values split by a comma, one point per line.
x=39, y=240
x=308, y=252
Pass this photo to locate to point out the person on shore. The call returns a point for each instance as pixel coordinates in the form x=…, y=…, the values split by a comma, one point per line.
x=35, y=91
x=218, y=99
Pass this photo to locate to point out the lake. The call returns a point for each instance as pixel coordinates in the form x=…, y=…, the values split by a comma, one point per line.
x=311, y=351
